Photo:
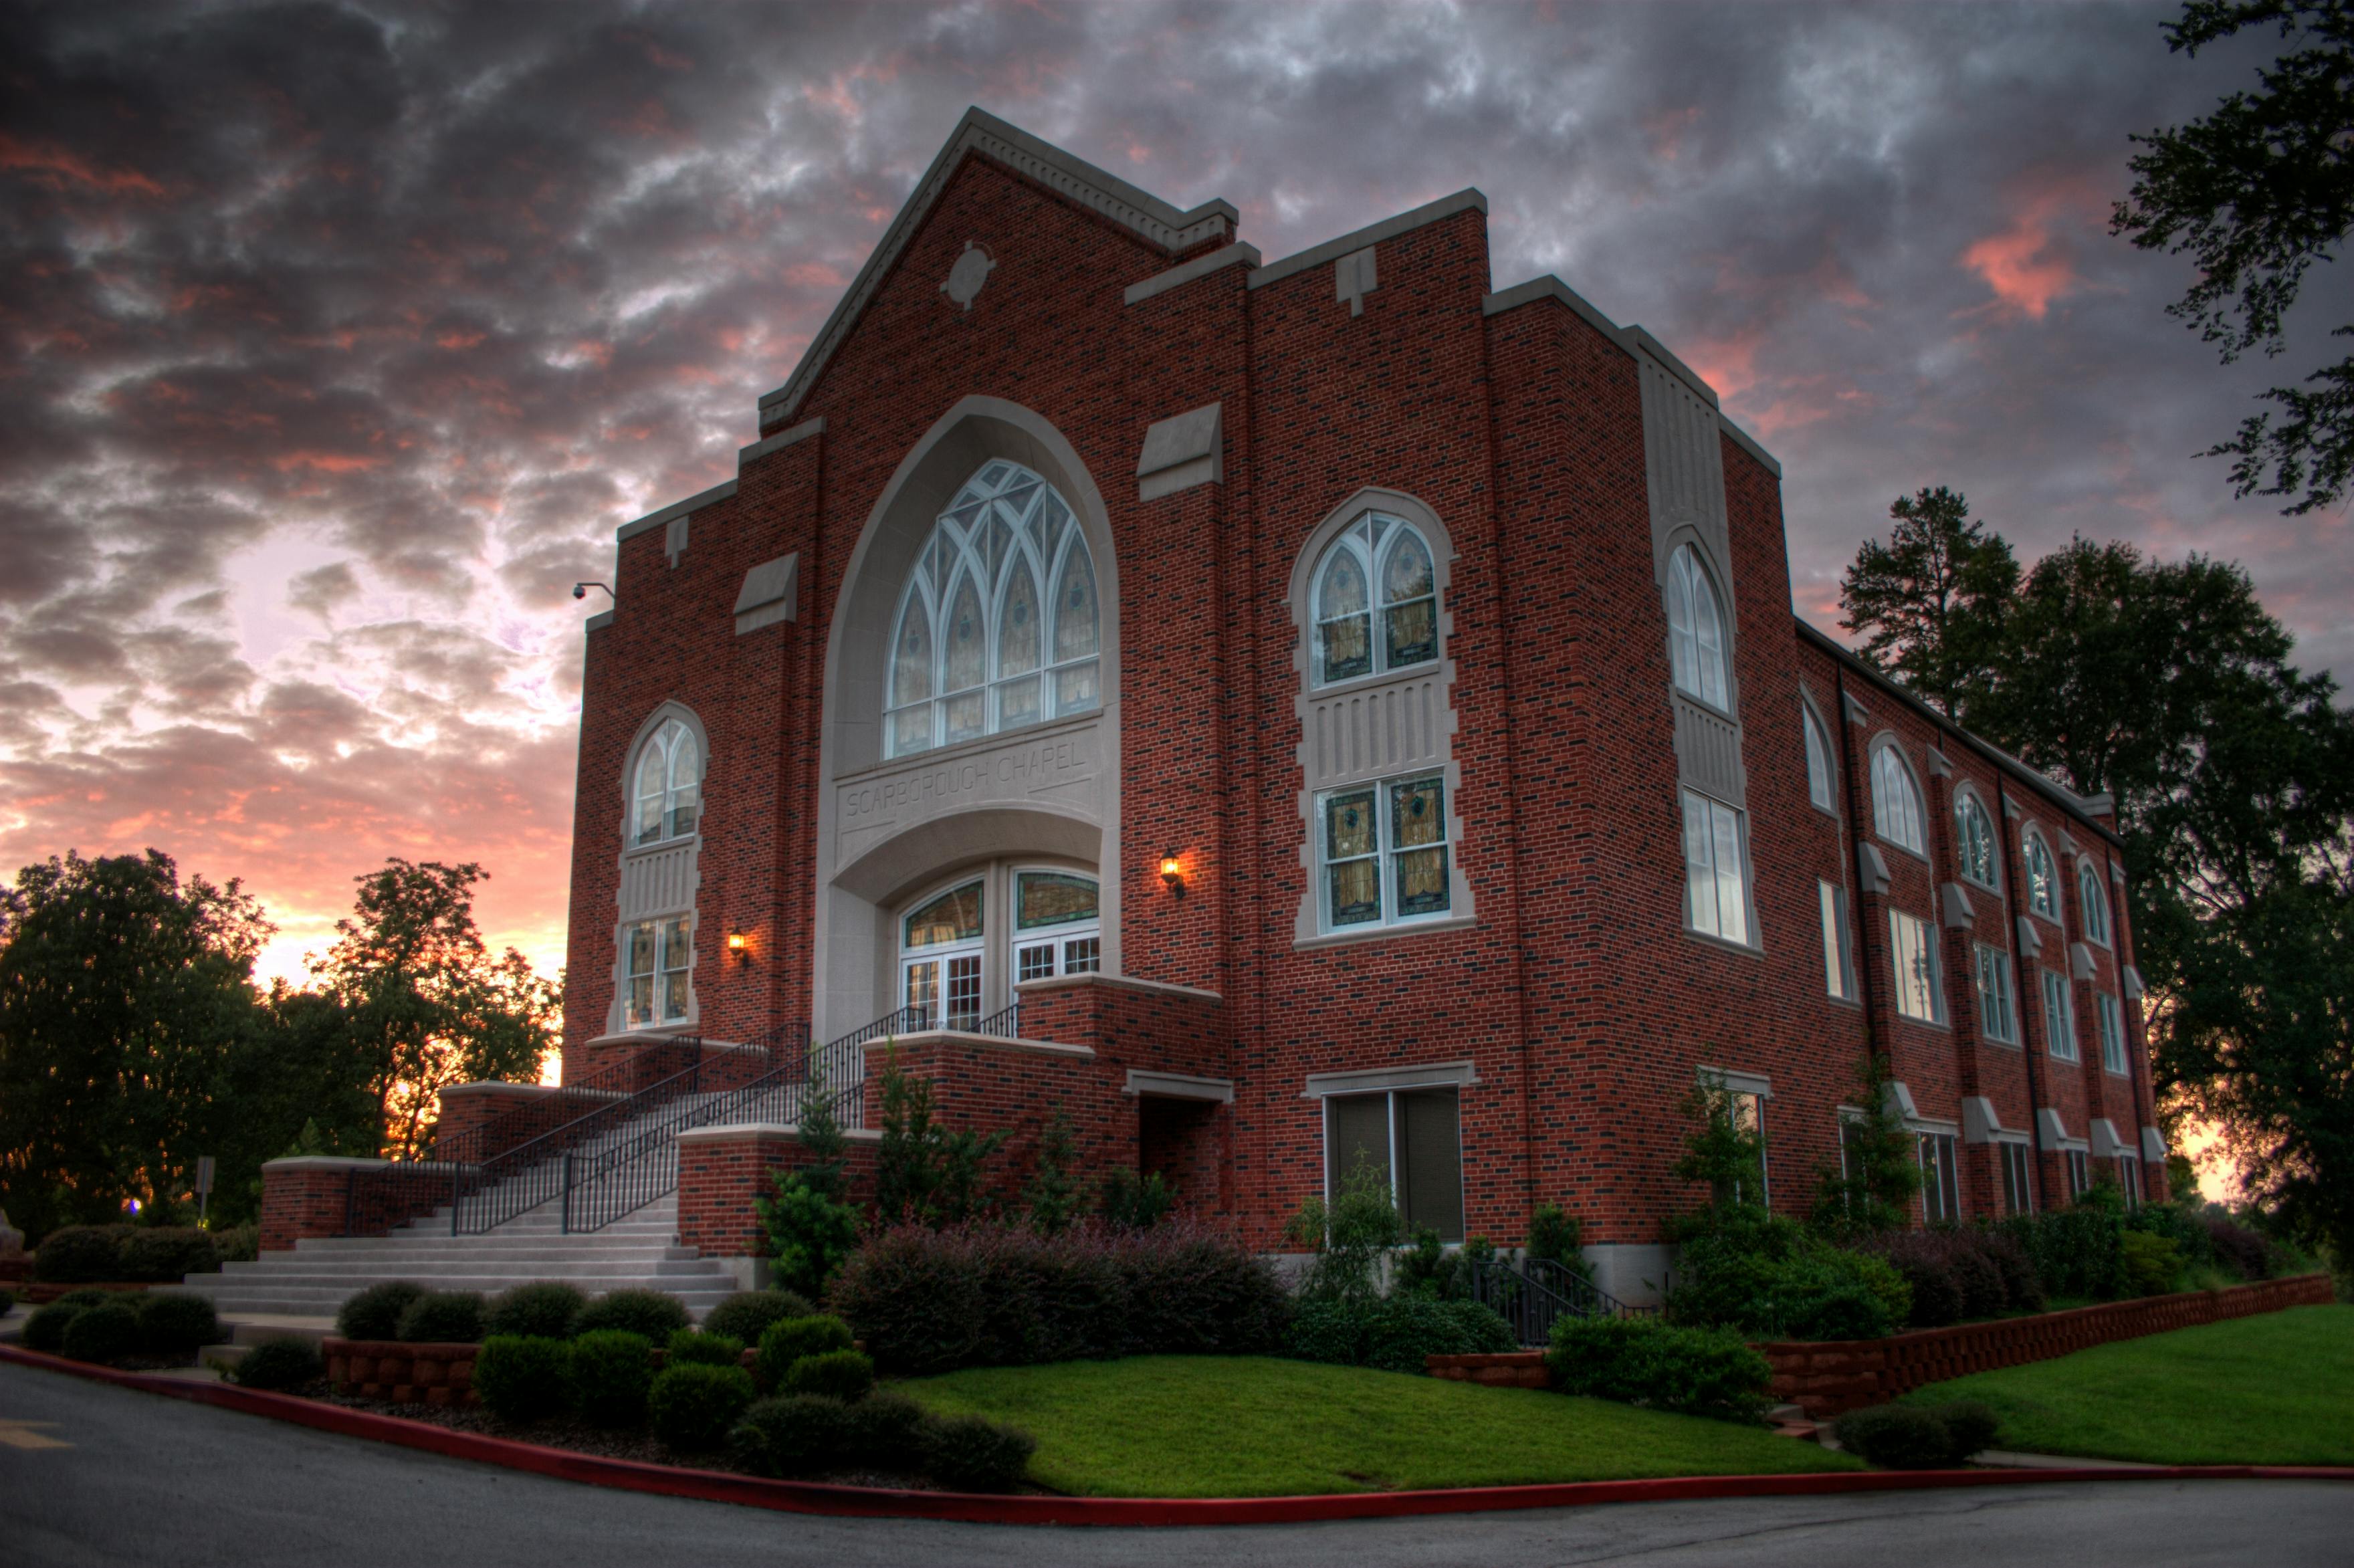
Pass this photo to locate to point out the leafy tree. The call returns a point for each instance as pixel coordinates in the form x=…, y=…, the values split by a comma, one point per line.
x=428, y=1006
x=1723, y=1150
x=1350, y=1234
x=1928, y=604
x=1134, y=1203
x=1868, y=1184
x=813, y=1225
x=2255, y=193
x=923, y=1172
x=1054, y=1196
x=125, y=996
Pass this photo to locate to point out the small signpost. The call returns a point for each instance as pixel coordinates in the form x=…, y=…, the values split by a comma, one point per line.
x=204, y=1186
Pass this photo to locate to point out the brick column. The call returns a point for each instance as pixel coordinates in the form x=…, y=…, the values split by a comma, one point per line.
x=723, y=1170
x=306, y=1196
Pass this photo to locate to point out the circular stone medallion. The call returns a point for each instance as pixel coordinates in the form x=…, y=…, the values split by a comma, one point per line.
x=971, y=271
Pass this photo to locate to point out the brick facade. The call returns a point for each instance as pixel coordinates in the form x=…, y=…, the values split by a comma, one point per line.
x=1580, y=1000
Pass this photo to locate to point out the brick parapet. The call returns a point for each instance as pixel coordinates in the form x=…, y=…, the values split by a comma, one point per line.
x=724, y=1172
x=307, y=1196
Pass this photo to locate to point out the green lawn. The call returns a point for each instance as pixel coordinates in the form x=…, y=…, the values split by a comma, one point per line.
x=1179, y=1426
x=2276, y=1389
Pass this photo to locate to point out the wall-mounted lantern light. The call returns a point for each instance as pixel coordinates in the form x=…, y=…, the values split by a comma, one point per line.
x=1172, y=875
x=740, y=944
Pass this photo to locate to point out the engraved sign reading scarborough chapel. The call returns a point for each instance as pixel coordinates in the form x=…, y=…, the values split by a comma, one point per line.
x=1011, y=772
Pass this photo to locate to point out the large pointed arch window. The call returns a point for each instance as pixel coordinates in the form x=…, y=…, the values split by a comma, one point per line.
x=1896, y=813
x=1376, y=601
x=1696, y=631
x=1974, y=840
x=998, y=624
x=669, y=792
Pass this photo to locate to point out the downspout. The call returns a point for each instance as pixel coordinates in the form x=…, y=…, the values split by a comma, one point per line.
x=1850, y=853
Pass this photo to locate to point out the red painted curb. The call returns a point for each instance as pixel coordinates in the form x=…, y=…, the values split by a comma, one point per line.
x=875, y=1502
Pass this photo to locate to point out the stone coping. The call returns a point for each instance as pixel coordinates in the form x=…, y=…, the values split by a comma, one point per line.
x=1118, y=983
x=767, y=1129
x=989, y=1042
x=324, y=1162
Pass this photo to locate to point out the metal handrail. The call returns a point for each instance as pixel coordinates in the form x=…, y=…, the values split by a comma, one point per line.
x=486, y=1195
x=1536, y=1293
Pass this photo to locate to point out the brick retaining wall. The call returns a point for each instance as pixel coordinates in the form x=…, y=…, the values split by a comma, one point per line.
x=403, y=1373
x=1828, y=1377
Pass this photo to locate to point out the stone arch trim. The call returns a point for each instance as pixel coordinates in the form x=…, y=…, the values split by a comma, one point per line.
x=1889, y=740
x=1048, y=787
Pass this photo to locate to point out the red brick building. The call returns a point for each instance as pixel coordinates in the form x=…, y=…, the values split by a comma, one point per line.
x=1276, y=713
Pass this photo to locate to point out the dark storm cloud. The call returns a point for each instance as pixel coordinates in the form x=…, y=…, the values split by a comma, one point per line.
x=337, y=338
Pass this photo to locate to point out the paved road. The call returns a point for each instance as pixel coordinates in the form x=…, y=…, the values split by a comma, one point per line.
x=147, y=1480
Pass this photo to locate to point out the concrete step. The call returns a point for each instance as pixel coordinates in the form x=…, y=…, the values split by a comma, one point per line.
x=583, y=1274
x=380, y=1249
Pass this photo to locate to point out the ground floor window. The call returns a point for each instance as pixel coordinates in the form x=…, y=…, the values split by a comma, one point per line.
x=2130, y=1178
x=2080, y=1173
x=658, y=954
x=1413, y=1139
x=1941, y=1182
x=2017, y=1197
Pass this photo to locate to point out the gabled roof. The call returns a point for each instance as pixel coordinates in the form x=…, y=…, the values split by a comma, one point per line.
x=1145, y=215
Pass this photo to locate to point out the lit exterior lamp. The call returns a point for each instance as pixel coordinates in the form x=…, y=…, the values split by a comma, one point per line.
x=1172, y=875
x=740, y=944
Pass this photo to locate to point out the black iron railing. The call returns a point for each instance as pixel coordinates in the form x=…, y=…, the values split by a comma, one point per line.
x=1005, y=1023
x=1534, y=1294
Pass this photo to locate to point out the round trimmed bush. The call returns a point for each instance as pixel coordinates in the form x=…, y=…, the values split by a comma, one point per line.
x=105, y=1334
x=280, y=1364
x=696, y=1405
x=159, y=1254
x=976, y=1454
x=543, y=1309
x=443, y=1318
x=521, y=1377
x=747, y=1315
x=606, y=1374
x=885, y=1429
x=788, y=1339
x=844, y=1374
x=1972, y=1427
x=650, y=1313
x=375, y=1313
x=705, y=1350
x=172, y=1322
x=790, y=1435
x=45, y=1330
x=72, y=1254
x=1642, y=1361
x=1897, y=1436
x=89, y=1297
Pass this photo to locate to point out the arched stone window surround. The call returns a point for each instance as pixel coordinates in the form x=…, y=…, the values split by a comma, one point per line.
x=1374, y=561
x=2092, y=902
x=2031, y=838
x=658, y=880
x=862, y=872
x=1915, y=802
x=1968, y=798
x=1376, y=727
x=1819, y=756
x=1707, y=733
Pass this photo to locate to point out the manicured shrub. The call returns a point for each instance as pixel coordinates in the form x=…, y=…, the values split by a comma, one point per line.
x=1917, y=1437
x=238, y=1244
x=443, y=1318
x=1399, y=1332
x=375, y=1313
x=89, y=1297
x=522, y=1377
x=280, y=1364
x=885, y=1430
x=45, y=1330
x=789, y=1436
x=72, y=1254
x=2237, y=1248
x=172, y=1322
x=1328, y=1330
x=745, y=1315
x=1772, y=1278
x=543, y=1309
x=703, y=1348
x=650, y=1313
x=1642, y=1361
x=2152, y=1262
x=993, y=1295
x=7, y=1301
x=788, y=1339
x=845, y=1375
x=974, y=1453
x=606, y=1374
x=1926, y=1263
x=158, y=1254
x=105, y=1334
x=696, y=1405
x=2077, y=1251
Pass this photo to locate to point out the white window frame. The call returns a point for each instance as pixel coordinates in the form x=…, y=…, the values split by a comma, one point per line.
x=668, y=980
x=672, y=740
x=1721, y=827
x=1385, y=853
x=1394, y=1122
x=1839, y=941
x=944, y=954
x=2129, y=1180
x=2058, y=1017
x=2015, y=1165
x=2115, y=1058
x=1822, y=773
x=1910, y=931
x=1940, y=1156
x=1056, y=943
x=1974, y=832
x=1372, y=540
x=1899, y=815
x=1700, y=646
x=2043, y=873
x=2092, y=904
x=1998, y=1001
x=2079, y=1162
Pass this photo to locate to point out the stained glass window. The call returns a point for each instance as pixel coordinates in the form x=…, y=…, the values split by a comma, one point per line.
x=1973, y=836
x=1384, y=853
x=2043, y=879
x=1418, y=819
x=953, y=916
x=978, y=646
x=1695, y=631
x=669, y=785
x=1374, y=549
x=1053, y=898
x=1351, y=837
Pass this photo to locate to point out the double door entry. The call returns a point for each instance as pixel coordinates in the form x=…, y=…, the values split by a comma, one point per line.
x=946, y=947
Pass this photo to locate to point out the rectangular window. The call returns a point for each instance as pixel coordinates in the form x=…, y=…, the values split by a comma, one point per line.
x=656, y=954
x=1384, y=853
x=1717, y=895
x=1413, y=1139
x=1850, y=1146
x=2130, y=1178
x=1941, y=1183
x=1838, y=945
x=2018, y=1198
x=2080, y=1173
x=677, y=953
x=1913, y=948
x=1995, y=1017
x=2058, y=1017
x=1749, y=1116
x=2113, y=1030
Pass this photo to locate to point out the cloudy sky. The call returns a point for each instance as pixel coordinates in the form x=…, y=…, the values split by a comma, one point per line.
x=338, y=339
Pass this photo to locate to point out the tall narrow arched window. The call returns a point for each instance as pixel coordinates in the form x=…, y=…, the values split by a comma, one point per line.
x=998, y=623
x=1819, y=760
x=2093, y=904
x=1376, y=601
x=1696, y=630
x=1896, y=813
x=1974, y=838
x=2042, y=877
x=669, y=792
